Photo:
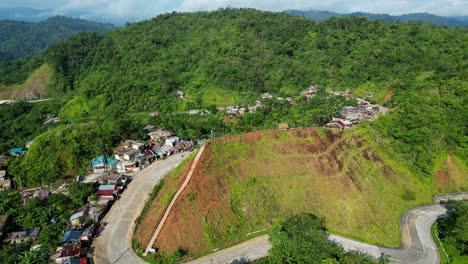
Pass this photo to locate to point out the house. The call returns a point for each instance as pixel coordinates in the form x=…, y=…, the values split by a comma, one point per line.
x=77, y=219
x=102, y=164
x=5, y=181
x=180, y=94
x=163, y=151
x=283, y=126
x=17, y=152
x=22, y=236
x=125, y=166
x=109, y=178
x=3, y=225
x=172, y=141
x=153, y=114
x=149, y=155
x=159, y=133
x=87, y=235
x=266, y=96
x=148, y=128
x=194, y=112
x=108, y=192
x=71, y=253
x=71, y=236
x=138, y=145
x=51, y=119
x=335, y=124
x=35, y=192
x=29, y=143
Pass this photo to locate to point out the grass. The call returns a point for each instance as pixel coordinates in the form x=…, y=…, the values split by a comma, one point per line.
x=246, y=183
x=33, y=88
x=443, y=256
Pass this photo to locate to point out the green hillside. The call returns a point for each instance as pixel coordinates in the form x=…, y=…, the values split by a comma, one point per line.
x=24, y=39
x=246, y=183
x=230, y=56
x=406, y=18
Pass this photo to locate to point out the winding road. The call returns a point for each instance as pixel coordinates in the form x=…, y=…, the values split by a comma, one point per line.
x=114, y=243
x=417, y=245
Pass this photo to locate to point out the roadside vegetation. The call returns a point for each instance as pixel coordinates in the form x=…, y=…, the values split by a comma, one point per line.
x=302, y=239
x=453, y=234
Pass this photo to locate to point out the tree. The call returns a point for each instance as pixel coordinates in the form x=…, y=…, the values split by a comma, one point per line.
x=301, y=239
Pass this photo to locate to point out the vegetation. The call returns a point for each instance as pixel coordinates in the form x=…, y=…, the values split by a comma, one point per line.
x=51, y=215
x=406, y=18
x=265, y=176
x=453, y=233
x=24, y=39
x=302, y=239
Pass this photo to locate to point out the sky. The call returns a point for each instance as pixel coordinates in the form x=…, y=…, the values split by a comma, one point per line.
x=134, y=10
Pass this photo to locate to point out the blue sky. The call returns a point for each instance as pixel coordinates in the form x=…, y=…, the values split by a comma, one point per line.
x=132, y=10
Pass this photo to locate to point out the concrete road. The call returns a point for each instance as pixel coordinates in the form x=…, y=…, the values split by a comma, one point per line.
x=114, y=244
x=417, y=246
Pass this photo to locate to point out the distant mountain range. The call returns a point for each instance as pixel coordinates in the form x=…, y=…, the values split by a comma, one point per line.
x=22, y=39
x=458, y=21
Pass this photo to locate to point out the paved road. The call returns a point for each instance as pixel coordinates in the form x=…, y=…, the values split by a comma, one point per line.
x=417, y=246
x=114, y=244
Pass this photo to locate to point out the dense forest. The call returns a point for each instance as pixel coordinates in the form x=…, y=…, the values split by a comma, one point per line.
x=406, y=18
x=230, y=56
x=24, y=39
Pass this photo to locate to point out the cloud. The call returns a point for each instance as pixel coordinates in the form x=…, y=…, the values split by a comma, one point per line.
x=131, y=10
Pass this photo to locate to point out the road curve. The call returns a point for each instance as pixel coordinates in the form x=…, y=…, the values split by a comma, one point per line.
x=114, y=244
x=417, y=244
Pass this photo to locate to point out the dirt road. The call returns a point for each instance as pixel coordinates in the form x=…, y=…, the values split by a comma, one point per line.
x=174, y=200
x=114, y=244
x=417, y=246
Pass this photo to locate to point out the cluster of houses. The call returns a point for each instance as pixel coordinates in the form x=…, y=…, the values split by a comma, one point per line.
x=85, y=219
x=351, y=116
x=132, y=156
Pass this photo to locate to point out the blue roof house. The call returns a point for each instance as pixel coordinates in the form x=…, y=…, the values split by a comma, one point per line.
x=17, y=152
x=102, y=164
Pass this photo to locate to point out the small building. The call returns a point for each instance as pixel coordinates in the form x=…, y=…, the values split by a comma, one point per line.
x=22, y=236
x=5, y=181
x=17, y=152
x=102, y=164
x=3, y=225
x=159, y=134
x=109, y=178
x=71, y=236
x=180, y=94
x=41, y=193
x=283, y=126
x=71, y=253
x=172, y=141
x=108, y=192
x=266, y=96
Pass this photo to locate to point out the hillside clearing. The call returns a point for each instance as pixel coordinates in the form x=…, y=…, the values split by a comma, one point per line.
x=32, y=88
x=247, y=183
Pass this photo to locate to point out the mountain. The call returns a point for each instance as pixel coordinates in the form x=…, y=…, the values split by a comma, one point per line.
x=23, y=39
x=417, y=17
x=23, y=14
x=230, y=56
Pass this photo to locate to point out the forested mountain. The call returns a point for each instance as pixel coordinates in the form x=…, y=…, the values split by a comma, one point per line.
x=22, y=39
x=229, y=57
x=415, y=17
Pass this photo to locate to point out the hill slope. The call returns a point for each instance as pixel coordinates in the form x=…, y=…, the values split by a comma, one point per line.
x=414, y=17
x=22, y=39
x=247, y=183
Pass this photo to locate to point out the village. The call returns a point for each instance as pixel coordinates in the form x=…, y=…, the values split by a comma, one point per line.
x=349, y=115
x=110, y=176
